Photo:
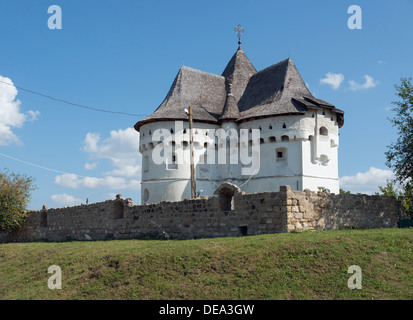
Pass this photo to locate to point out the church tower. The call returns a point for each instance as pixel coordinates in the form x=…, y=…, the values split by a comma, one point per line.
x=268, y=116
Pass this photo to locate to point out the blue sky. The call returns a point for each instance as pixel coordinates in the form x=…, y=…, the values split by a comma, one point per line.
x=123, y=56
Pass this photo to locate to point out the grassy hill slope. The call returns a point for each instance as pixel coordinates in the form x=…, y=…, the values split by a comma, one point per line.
x=308, y=265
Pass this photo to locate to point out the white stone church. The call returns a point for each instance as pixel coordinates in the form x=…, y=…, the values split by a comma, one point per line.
x=297, y=141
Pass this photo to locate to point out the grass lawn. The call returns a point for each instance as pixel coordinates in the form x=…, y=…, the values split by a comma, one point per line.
x=308, y=265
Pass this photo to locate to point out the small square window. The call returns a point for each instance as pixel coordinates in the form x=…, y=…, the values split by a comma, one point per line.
x=281, y=157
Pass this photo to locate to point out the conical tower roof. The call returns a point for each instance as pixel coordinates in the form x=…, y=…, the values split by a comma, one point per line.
x=241, y=70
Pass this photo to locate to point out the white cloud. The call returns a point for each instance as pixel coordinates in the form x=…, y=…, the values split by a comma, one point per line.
x=10, y=114
x=333, y=79
x=91, y=166
x=65, y=200
x=366, y=182
x=32, y=115
x=369, y=83
x=121, y=148
x=108, y=182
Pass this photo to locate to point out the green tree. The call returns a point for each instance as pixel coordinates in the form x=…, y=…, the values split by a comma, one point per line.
x=344, y=192
x=404, y=195
x=400, y=154
x=15, y=193
x=389, y=190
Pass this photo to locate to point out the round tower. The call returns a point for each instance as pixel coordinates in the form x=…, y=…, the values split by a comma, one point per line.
x=256, y=130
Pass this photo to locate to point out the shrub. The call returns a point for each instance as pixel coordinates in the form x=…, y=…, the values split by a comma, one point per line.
x=15, y=193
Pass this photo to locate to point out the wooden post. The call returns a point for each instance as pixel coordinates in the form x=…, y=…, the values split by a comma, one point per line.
x=191, y=142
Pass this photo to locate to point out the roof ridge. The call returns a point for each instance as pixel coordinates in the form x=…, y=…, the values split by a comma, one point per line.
x=199, y=71
x=274, y=65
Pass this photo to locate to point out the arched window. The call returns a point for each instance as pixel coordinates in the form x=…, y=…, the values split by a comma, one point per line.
x=323, y=131
x=285, y=138
x=226, y=197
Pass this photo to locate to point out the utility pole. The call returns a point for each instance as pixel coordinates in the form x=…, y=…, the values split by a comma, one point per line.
x=191, y=142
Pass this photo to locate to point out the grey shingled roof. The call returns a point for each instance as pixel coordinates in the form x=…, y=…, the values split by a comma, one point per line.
x=230, y=112
x=276, y=90
x=241, y=70
x=204, y=91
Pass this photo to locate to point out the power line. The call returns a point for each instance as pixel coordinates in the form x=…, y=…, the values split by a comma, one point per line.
x=49, y=169
x=74, y=104
x=35, y=165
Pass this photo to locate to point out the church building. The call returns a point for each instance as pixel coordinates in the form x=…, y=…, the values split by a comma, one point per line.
x=269, y=116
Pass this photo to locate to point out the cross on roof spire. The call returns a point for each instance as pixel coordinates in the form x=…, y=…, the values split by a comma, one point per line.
x=239, y=30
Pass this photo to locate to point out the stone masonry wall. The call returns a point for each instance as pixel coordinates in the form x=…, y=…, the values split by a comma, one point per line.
x=258, y=213
x=322, y=211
